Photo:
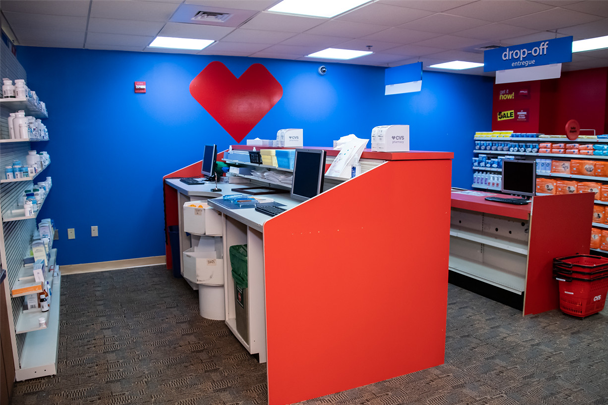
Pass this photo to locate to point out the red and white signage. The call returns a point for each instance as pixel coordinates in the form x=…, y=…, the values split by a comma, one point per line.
x=140, y=87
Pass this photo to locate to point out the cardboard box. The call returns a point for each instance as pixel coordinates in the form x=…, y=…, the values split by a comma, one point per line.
x=546, y=186
x=560, y=166
x=589, y=187
x=291, y=137
x=566, y=187
x=582, y=167
x=391, y=138
x=201, y=219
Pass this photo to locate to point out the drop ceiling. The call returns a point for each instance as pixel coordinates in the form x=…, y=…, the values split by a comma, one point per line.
x=398, y=31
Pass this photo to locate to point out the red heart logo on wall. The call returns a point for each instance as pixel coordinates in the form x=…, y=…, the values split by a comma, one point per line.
x=237, y=104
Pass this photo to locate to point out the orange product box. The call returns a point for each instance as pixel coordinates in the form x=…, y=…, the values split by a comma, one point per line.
x=566, y=187
x=585, y=152
x=585, y=146
x=596, y=236
x=603, y=193
x=572, y=146
x=572, y=152
x=545, y=186
x=582, y=167
x=561, y=151
x=590, y=187
x=598, y=214
x=544, y=146
x=601, y=169
x=560, y=166
x=558, y=146
x=604, y=240
x=544, y=151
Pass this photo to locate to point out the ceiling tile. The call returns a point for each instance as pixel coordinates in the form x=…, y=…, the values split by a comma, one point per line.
x=402, y=36
x=380, y=58
x=270, y=55
x=186, y=12
x=292, y=50
x=413, y=51
x=53, y=44
x=314, y=40
x=282, y=22
x=51, y=36
x=553, y=19
x=404, y=62
x=206, y=51
x=115, y=48
x=382, y=14
x=498, y=10
x=495, y=32
x=556, y=3
x=125, y=27
x=97, y=38
x=451, y=42
x=236, y=47
x=361, y=45
x=540, y=36
x=75, y=8
x=458, y=55
x=600, y=53
x=133, y=10
x=195, y=31
x=20, y=21
x=437, y=6
x=257, y=36
x=256, y=5
x=444, y=24
x=347, y=29
x=590, y=30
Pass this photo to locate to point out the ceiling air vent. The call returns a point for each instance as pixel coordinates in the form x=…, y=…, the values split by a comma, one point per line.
x=210, y=16
x=487, y=48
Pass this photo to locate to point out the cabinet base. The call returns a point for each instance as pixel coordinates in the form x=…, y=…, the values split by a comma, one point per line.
x=487, y=290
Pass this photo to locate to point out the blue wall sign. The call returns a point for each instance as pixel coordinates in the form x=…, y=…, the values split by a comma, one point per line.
x=528, y=55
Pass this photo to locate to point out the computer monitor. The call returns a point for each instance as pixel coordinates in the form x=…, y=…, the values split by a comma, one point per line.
x=308, y=174
x=209, y=157
x=519, y=177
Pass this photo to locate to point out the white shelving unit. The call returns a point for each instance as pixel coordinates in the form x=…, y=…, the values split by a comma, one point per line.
x=34, y=349
x=9, y=218
x=25, y=178
x=489, y=274
x=497, y=152
x=480, y=237
x=478, y=186
x=487, y=169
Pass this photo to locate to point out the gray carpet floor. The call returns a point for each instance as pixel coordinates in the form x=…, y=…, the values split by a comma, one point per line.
x=135, y=336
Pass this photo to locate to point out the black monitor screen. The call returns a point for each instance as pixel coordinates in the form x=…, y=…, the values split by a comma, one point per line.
x=519, y=177
x=209, y=157
x=308, y=173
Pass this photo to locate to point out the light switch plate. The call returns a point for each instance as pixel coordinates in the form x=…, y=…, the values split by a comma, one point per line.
x=56, y=236
x=94, y=231
x=71, y=233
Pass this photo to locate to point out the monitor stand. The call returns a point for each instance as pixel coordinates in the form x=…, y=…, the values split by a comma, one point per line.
x=215, y=190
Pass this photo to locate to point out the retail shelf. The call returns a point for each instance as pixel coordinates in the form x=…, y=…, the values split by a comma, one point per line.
x=542, y=140
x=19, y=218
x=30, y=109
x=28, y=321
x=596, y=225
x=604, y=252
x=573, y=176
x=262, y=180
x=22, y=140
x=485, y=187
x=236, y=162
x=496, y=152
x=26, y=273
x=487, y=169
x=40, y=349
x=475, y=236
x=488, y=274
x=24, y=178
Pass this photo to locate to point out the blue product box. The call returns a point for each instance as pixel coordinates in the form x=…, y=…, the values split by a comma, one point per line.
x=475, y=162
x=477, y=145
x=600, y=147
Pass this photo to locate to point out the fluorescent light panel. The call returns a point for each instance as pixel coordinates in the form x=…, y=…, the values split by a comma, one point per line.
x=180, y=43
x=317, y=8
x=457, y=65
x=590, y=44
x=335, y=53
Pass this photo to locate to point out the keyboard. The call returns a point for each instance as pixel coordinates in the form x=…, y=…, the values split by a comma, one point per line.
x=270, y=210
x=192, y=182
x=518, y=201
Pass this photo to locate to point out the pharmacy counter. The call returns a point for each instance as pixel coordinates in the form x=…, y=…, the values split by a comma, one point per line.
x=347, y=288
x=505, y=252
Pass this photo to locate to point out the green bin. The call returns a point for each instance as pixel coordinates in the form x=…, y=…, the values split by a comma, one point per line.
x=238, y=261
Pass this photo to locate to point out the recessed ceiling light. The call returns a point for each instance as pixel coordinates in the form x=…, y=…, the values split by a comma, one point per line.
x=590, y=44
x=334, y=53
x=317, y=8
x=180, y=43
x=457, y=65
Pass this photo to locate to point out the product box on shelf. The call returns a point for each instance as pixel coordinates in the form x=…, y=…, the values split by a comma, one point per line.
x=560, y=166
x=596, y=235
x=582, y=167
x=601, y=169
x=546, y=186
x=290, y=138
x=599, y=214
x=391, y=138
x=566, y=187
x=590, y=187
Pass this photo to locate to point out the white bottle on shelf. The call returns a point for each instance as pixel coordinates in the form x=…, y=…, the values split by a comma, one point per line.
x=8, y=90
x=19, y=119
x=11, y=119
x=32, y=158
x=20, y=90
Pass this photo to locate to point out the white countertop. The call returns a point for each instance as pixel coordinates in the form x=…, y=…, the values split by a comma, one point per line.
x=247, y=216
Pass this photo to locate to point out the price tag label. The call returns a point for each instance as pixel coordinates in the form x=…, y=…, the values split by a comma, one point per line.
x=38, y=276
x=211, y=262
x=198, y=211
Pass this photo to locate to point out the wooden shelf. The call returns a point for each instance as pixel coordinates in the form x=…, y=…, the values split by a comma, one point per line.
x=488, y=274
x=15, y=105
x=8, y=219
x=494, y=152
x=24, y=178
x=475, y=236
x=28, y=321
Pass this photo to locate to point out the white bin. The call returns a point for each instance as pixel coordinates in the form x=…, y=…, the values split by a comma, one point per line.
x=206, y=269
x=201, y=219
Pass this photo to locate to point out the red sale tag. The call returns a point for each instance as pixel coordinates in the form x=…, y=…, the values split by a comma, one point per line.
x=140, y=87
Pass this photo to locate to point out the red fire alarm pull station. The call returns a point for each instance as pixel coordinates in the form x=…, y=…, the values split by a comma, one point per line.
x=140, y=87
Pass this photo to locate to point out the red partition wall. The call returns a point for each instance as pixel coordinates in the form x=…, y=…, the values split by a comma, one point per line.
x=356, y=281
x=560, y=226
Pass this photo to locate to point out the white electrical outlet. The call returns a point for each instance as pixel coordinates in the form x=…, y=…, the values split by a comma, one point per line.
x=94, y=231
x=71, y=233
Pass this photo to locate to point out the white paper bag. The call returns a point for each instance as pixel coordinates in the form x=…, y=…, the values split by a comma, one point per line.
x=351, y=148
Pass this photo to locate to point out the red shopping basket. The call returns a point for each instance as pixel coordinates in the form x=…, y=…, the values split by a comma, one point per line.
x=581, y=264
x=582, y=295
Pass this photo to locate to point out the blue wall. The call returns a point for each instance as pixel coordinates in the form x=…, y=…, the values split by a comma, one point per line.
x=110, y=147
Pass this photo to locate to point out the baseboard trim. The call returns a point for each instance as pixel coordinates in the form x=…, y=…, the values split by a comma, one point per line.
x=111, y=265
